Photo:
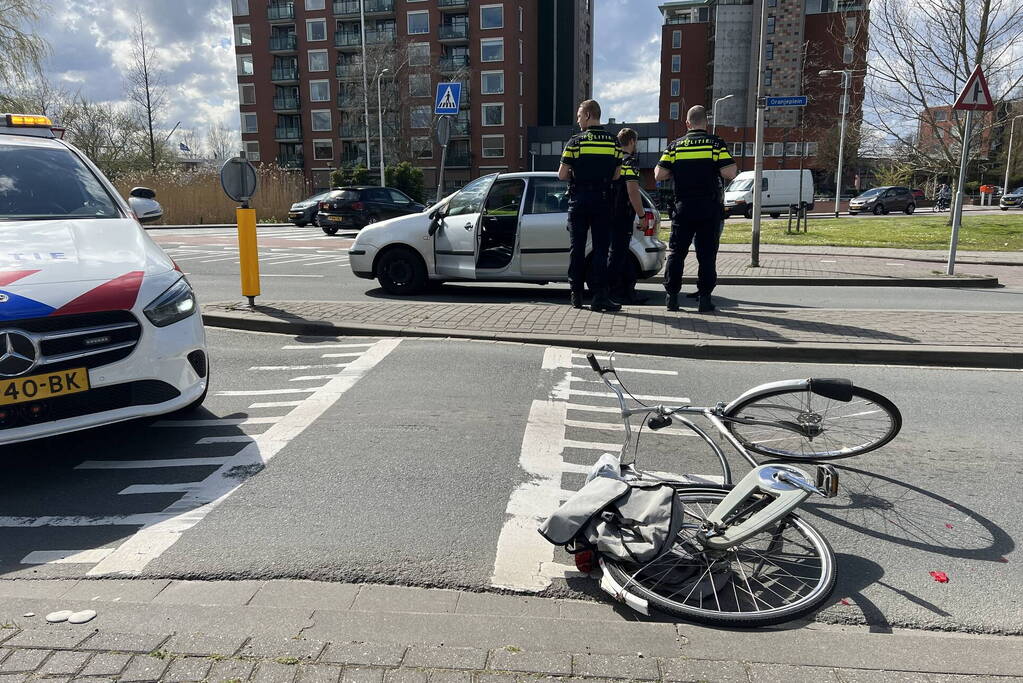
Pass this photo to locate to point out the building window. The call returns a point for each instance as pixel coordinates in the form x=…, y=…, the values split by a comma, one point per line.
x=418, y=23
x=251, y=150
x=770, y=25
x=421, y=117
x=521, y=19
x=941, y=115
x=676, y=63
x=493, y=114
x=244, y=65
x=847, y=53
x=242, y=35
x=736, y=149
x=768, y=78
x=493, y=146
x=850, y=27
x=323, y=150
x=676, y=39
x=316, y=29
x=422, y=148
x=320, y=119
x=768, y=50
x=811, y=149
x=249, y=123
x=522, y=116
x=673, y=111
x=522, y=83
x=419, y=54
x=522, y=146
x=747, y=150
x=772, y=3
x=247, y=93
x=314, y=4
x=492, y=50
x=522, y=54
x=318, y=60
x=240, y=7
x=492, y=83
x=492, y=16
x=419, y=85
x=676, y=87
x=319, y=91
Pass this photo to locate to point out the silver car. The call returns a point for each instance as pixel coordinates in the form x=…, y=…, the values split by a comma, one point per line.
x=508, y=227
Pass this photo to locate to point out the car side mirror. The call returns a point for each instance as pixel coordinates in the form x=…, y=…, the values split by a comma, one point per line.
x=146, y=210
x=142, y=193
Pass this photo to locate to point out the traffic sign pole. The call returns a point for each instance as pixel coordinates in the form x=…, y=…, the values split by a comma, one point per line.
x=957, y=212
x=758, y=153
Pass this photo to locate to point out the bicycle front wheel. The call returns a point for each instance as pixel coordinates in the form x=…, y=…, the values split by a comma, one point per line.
x=839, y=429
x=783, y=572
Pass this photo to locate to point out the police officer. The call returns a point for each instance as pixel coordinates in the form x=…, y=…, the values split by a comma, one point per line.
x=626, y=205
x=591, y=160
x=697, y=163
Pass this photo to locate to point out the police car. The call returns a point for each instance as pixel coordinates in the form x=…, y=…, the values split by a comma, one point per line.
x=97, y=323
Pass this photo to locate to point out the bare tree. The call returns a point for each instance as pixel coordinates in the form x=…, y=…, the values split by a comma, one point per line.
x=192, y=139
x=21, y=51
x=921, y=55
x=221, y=141
x=144, y=84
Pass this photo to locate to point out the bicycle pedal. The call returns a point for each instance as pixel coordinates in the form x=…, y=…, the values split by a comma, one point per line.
x=827, y=480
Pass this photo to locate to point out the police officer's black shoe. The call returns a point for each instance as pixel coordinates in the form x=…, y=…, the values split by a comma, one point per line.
x=706, y=305
x=636, y=298
x=605, y=305
x=577, y=299
x=693, y=295
x=671, y=301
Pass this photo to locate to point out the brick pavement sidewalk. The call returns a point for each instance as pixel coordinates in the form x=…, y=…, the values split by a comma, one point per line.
x=923, y=337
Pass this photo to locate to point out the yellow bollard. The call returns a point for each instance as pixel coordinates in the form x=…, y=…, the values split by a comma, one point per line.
x=248, y=253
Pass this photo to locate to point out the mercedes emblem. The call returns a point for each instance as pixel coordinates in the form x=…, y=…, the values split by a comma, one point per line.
x=18, y=353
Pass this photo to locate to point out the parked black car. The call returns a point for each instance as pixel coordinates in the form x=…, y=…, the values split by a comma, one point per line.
x=358, y=206
x=304, y=212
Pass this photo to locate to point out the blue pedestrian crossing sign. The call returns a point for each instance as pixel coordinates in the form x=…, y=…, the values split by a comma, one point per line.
x=448, y=97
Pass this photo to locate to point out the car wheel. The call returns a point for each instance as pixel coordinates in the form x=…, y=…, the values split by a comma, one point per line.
x=748, y=213
x=371, y=220
x=910, y=208
x=299, y=224
x=878, y=210
x=401, y=271
x=775, y=215
x=330, y=230
x=1003, y=208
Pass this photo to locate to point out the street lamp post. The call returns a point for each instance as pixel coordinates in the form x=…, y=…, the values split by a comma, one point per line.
x=365, y=78
x=758, y=151
x=380, y=121
x=1008, y=157
x=714, y=113
x=846, y=77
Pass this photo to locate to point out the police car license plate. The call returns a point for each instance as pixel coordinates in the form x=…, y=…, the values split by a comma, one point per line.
x=337, y=219
x=37, y=387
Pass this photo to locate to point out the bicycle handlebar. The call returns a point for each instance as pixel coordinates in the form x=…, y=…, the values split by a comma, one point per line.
x=594, y=364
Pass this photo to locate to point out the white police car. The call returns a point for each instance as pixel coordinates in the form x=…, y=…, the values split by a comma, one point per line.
x=97, y=324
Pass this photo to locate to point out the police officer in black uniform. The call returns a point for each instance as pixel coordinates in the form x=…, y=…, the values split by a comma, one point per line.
x=697, y=163
x=591, y=160
x=626, y=205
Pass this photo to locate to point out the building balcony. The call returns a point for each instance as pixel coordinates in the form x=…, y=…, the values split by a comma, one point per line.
x=380, y=36
x=351, y=8
x=453, y=63
x=343, y=39
x=349, y=159
x=457, y=160
x=284, y=43
x=287, y=134
x=286, y=103
x=352, y=130
x=289, y=161
x=453, y=5
x=283, y=74
x=348, y=71
x=454, y=33
x=280, y=11
x=460, y=127
x=353, y=39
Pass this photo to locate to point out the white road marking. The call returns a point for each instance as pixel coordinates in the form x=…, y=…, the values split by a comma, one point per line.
x=158, y=488
x=310, y=378
x=218, y=422
x=828, y=261
x=234, y=438
x=141, y=519
x=152, y=540
x=298, y=367
x=283, y=275
x=340, y=355
x=620, y=427
x=636, y=370
x=556, y=570
x=675, y=400
x=595, y=409
x=275, y=404
x=557, y=358
x=318, y=345
x=521, y=551
x=148, y=464
x=264, y=392
x=91, y=556
x=592, y=446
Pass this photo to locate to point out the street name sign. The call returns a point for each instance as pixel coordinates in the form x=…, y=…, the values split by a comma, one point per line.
x=975, y=95
x=448, y=97
x=796, y=101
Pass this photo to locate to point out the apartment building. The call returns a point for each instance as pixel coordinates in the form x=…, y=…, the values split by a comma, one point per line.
x=710, y=49
x=305, y=69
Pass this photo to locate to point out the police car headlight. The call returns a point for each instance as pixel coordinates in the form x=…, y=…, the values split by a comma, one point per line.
x=176, y=303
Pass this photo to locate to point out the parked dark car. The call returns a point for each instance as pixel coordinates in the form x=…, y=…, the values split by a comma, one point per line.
x=883, y=200
x=919, y=195
x=356, y=207
x=304, y=212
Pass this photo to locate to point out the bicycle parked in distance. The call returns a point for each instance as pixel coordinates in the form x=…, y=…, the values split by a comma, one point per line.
x=741, y=556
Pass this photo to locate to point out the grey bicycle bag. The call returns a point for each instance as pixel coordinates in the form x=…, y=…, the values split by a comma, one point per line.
x=630, y=521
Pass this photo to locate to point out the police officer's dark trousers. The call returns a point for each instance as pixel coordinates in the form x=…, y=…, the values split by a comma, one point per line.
x=619, y=265
x=589, y=213
x=699, y=219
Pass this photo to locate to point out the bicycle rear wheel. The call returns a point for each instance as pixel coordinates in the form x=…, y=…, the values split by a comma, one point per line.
x=781, y=573
x=842, y=428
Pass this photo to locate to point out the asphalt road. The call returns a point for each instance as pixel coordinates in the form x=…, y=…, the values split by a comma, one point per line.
x=402, y=461
x=303, y=264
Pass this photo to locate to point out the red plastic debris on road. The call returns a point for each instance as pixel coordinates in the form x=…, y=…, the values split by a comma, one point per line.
x=845, y=601
x=948, y=526
x=940, y=577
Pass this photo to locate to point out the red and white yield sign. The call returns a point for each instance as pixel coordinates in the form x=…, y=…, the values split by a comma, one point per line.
x=975, y=96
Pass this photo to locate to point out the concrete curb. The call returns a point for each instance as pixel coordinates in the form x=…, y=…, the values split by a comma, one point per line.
x=886, y=354
x=801, y=281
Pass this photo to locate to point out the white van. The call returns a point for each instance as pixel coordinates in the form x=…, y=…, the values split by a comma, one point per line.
x=781, y=189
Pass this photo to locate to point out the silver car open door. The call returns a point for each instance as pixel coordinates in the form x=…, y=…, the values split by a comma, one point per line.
x=456, y=241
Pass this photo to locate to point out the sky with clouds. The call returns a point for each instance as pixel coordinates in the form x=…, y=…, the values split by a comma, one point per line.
x=91, y=41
